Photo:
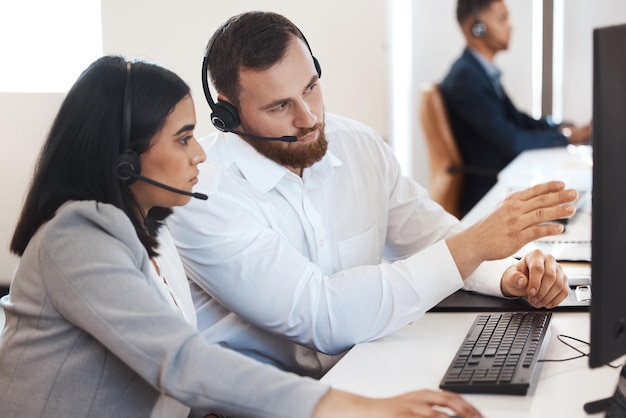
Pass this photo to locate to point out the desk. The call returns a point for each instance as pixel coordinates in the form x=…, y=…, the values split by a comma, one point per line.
x=417, y=356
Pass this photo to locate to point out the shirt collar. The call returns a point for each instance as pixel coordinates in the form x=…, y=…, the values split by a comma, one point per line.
x=492, y=71
x=263, y=173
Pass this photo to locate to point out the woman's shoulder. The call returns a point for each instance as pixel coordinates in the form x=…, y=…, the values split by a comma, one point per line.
x=89, y=213
x=86, y=222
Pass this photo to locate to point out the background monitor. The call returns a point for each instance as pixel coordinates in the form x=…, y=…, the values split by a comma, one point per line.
x=608, y=244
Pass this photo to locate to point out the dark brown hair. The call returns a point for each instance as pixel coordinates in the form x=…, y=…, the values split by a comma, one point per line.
x=255, y=40
x=79, y=158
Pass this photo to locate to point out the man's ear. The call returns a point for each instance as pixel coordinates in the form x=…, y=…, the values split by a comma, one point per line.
x=222, y=98
x=466, y=27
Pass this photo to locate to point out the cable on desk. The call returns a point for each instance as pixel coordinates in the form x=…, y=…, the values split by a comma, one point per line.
x=561, y=337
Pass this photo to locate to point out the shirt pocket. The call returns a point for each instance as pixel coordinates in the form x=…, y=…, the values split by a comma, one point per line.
x=363, y=249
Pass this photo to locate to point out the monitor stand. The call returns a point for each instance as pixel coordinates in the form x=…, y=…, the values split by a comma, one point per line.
x=615, y=406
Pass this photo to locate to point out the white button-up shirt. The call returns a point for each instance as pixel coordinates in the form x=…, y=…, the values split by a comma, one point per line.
x=283, y=266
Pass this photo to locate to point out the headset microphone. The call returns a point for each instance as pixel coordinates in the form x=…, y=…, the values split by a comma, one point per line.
x=125, y=172
x=266, y=138
x=200, y=196
x=128, y=163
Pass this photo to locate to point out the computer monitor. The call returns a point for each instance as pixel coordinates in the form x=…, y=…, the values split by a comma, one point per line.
x=608, y=248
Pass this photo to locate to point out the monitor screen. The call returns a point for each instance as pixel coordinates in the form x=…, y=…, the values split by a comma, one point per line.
x=608, y=236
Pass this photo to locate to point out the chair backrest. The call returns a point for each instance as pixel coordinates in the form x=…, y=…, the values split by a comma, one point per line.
x=445, y=162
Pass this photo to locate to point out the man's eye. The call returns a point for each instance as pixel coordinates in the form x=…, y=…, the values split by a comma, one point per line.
x=278, y=108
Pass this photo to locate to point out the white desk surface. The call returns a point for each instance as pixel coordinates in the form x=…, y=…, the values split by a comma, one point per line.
x=572, y=164
x=417, y=356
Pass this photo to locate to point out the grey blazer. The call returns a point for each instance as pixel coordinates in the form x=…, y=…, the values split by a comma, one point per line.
x=87, y=334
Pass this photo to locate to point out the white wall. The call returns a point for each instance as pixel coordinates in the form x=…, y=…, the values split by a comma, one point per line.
x=581, y=17
x=347, y=37
x=24, y=122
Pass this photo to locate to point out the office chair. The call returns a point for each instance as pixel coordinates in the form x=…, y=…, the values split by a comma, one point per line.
x=445, y=162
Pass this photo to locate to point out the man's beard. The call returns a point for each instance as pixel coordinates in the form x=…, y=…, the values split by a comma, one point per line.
x=296, y=154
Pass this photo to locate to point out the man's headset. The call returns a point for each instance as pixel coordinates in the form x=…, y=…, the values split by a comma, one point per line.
x=224, y=115
x=128, y=163
x=479, y=29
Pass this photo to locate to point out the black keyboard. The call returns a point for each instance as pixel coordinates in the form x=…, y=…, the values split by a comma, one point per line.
x=499, y=354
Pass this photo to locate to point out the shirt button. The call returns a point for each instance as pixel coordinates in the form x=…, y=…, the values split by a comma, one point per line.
x=321, y=243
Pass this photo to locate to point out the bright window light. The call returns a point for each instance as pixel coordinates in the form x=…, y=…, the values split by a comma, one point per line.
x=557, y=58
x=401, y=84
x=537, y=57
x=45, y=44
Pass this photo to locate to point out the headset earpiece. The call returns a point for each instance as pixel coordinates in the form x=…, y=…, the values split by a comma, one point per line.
x=128, y=163
x=224, y=116
x=479, y=29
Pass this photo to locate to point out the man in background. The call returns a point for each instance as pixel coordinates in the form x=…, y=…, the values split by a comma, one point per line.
x=489, y=129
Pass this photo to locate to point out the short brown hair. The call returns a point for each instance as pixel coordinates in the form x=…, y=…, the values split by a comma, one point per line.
x=470, y=8
x=255, y=40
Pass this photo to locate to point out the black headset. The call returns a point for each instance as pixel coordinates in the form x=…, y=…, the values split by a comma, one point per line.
x=128, y=166
x=224, y=115
x=128, y=162
x=479, y=29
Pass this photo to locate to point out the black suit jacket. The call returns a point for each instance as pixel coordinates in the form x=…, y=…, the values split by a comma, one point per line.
x=489, y=130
